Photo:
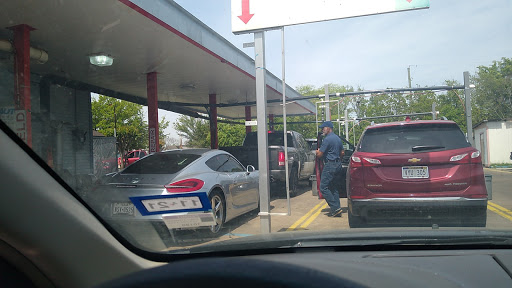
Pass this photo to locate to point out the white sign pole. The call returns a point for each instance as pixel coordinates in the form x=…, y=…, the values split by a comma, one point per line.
x=285, y=131
x=261, y=106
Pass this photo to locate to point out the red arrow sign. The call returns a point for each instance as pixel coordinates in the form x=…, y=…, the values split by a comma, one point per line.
x=246, y=15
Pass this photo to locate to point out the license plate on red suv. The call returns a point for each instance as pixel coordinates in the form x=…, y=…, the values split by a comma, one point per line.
x=415, y=172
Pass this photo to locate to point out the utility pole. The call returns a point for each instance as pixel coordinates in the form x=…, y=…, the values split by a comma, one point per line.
x=469, y=121
x=327, y=108
x=409, y=75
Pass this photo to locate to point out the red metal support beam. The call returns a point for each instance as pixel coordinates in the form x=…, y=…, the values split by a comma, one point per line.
x=248, y=129
x=153, y=112
x=214, y=137
x=22, y=101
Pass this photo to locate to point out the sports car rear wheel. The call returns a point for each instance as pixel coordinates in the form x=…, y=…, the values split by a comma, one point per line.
x=219, y=211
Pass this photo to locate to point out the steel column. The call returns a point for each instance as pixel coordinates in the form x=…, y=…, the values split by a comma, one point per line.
x=261, y=106
x=248, y=129
x=152, y=89
x=214, y=136
x=271, y=122
x=22, y=101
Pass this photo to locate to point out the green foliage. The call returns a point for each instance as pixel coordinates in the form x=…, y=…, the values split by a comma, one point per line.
x=309, y=130
x=492, y=99
x=196, y=131
x=128, y=121
x=451, y=105
x=231, y=134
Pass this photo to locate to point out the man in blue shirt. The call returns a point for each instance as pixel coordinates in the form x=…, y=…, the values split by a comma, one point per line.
x=332, y=151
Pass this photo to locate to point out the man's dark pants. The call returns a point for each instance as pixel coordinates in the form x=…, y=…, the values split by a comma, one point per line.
x=328, y=186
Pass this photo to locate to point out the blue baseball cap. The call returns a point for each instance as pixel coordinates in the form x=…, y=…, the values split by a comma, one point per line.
x=327, y=124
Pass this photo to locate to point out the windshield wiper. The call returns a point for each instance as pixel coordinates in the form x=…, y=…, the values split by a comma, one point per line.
x=483, y=240
x=422, y=148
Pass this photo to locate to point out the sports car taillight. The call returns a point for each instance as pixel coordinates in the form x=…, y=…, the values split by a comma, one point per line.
x=187, y=185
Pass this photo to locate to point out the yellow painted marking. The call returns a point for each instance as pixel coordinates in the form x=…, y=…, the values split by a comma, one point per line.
x=312, y=218
x=298, y=222
x=502, y=211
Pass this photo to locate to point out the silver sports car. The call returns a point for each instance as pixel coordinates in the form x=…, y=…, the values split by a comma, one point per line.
x=149, y=189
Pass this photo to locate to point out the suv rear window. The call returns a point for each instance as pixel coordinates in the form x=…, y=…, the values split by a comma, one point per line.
x=413, y=138
x=164, y=163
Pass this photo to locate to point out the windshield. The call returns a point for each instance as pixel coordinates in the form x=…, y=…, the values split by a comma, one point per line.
x=154, y=114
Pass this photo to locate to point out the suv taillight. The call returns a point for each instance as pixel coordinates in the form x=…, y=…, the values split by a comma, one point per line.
x=363, y=161
x=461, y=158
x=475, y=157
x=466, y=158
x=355, y=162
x=281, y=158
x=371, y=162
x=187, y=185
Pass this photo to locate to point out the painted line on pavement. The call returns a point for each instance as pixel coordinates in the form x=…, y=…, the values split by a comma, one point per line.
x=303, y=218
x=312, y=218
x=497, y=170
x=502, y=211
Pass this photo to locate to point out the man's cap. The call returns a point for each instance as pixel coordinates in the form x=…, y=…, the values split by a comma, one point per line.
x=327, y=124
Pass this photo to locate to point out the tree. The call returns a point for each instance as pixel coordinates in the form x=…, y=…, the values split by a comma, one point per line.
x=451, y=105
x=231, y=134
x=172, y=143
x=196, y=131
x=128, y=121
x=492, y=99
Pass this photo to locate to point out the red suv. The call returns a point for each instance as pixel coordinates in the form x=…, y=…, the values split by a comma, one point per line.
x=416, y=173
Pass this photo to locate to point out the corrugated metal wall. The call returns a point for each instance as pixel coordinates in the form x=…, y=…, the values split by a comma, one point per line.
x=72, y=132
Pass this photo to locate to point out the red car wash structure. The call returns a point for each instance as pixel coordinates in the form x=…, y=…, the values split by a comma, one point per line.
x=173, y=62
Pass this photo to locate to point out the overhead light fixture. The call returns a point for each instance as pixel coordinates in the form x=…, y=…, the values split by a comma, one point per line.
x=188, y=86
x=101, y=60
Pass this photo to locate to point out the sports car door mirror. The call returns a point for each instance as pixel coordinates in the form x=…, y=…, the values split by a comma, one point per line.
x=250, y=169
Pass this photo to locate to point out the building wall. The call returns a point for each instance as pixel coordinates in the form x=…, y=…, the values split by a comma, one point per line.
x=480, y=135
x=494, y=140
x=61, y=124
x=72, y=132
x=500, y=141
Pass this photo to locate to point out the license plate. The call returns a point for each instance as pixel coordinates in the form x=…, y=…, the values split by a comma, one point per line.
x=190, y=220
x=415, y=172
x=126, y=209
x=172, y=204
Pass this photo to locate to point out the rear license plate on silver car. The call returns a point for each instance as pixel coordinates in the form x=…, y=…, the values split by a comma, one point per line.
x=123, y=208
x=415, y=172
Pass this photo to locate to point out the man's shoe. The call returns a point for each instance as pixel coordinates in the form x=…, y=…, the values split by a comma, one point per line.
x=336, y=213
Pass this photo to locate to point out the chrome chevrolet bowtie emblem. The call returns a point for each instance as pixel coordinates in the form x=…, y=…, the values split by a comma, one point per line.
x=414, y=160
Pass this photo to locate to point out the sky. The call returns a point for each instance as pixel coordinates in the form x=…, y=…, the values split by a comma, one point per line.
x=374, y=52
